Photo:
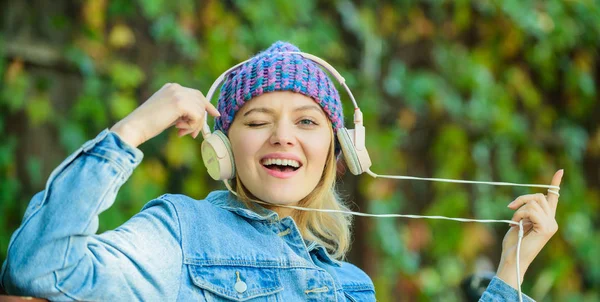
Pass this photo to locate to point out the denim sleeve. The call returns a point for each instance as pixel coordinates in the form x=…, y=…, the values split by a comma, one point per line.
x=56, y=254
x=498, y=291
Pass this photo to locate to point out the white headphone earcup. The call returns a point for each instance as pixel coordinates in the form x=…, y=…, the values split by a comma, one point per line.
x=350, y=156
x=218, y=156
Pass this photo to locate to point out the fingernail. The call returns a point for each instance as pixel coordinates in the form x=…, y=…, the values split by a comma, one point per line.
x=510, y=204
x=562, y=171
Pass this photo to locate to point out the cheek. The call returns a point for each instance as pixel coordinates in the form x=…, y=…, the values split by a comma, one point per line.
x=318, y=149
x=244, y=146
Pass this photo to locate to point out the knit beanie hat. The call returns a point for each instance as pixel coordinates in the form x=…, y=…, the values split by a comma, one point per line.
x=270, y=71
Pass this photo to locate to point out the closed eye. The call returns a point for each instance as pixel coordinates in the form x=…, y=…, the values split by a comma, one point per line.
x=253, y=125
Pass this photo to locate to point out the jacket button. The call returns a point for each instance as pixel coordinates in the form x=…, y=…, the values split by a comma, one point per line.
x=240, y=286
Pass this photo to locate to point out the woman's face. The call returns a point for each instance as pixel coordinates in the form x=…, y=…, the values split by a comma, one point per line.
x=280, y=143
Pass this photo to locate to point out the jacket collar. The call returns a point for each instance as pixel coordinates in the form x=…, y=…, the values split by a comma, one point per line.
x=225, y=200
x=228, y=201
x=322, y=252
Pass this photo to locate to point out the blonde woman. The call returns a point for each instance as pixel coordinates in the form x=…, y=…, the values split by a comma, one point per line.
x=280, y=112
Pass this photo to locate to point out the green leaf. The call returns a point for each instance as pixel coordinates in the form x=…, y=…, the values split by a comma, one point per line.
x=394, y=81
x=586, y=84
x=126, y=75
x=82, y=60
x=15, y=91
x=34, y=170
x=39, y=110
x=7, y=151
x=71, y=135
x=182, y=150
x=121, y=105
x=153, y=8
x=91, y=110
x=575, y=140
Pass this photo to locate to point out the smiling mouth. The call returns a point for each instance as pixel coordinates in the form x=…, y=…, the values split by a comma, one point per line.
x=281, y=165
x=281, y=168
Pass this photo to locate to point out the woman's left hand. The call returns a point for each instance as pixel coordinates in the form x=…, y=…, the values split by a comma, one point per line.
x=539, y=224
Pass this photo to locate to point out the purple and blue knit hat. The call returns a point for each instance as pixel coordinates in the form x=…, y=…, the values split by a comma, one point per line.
x=271, y=71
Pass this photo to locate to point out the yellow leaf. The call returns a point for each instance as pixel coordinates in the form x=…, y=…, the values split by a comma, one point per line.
x=149, y=178
x=407, y=119
x=155, y=171
x=520, y=82
x=470, y=249
x=389, y=20
x=121, y=36
x=594, y=144
x=545, y=22
x=195, y=185
x=14, y=69
x=94, y=13
x=94, y=48
x=584, y=60
x=182, y=150
x=512, y=42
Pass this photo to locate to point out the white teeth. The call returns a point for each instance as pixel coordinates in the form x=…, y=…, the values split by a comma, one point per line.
x=281, y=162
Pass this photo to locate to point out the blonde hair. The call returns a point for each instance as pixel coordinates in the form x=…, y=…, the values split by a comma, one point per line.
x=331, y=230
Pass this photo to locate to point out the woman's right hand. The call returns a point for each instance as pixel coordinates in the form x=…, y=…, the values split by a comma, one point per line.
x=172, y=105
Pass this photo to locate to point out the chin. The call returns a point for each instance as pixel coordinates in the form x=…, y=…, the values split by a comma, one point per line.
x=279, y=192
x=282, y=198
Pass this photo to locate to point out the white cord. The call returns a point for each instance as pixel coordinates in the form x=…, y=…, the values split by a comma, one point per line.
x=519, y=256
x=464, y=181
x=520, y=223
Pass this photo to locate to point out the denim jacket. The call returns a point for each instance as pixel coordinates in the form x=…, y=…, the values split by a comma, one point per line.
x=176, y=248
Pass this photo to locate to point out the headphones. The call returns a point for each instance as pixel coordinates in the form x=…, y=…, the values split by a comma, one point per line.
x=216, y=148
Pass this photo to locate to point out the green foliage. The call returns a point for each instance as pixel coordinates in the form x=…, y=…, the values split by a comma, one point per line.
x=487, y=90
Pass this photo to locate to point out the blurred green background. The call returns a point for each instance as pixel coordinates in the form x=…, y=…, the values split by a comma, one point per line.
x=485, y=90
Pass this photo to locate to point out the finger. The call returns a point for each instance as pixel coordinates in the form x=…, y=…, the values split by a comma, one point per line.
x=531, y=211
x=198, y=119
x=205, y=106
x=543, y=202
x=192, y=115
x=183, y=132
x=195, y=134
x=195, y=107
x=175, y=122
x=210, y=108
x=527, y=224
x=553, y=198
x=181, y=123
x=520, y=201
x=538, y=198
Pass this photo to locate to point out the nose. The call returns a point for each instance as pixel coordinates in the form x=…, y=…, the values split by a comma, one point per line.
x=283, y=135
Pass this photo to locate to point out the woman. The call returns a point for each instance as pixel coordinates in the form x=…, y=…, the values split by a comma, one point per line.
x=280, y=113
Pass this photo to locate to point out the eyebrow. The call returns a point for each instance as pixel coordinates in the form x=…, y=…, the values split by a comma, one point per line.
x=271, y=111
